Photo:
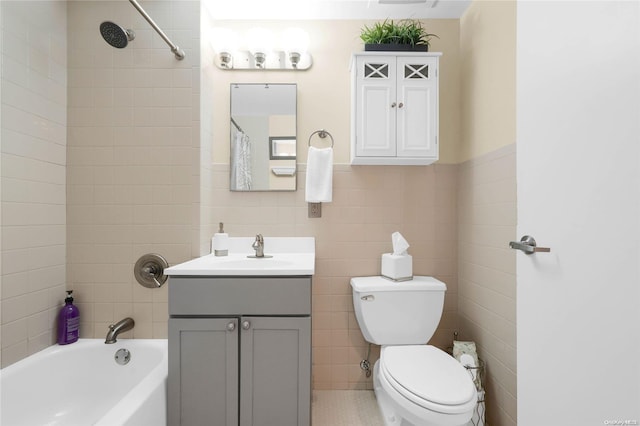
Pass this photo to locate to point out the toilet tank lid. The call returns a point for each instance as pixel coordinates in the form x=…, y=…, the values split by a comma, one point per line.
x=379, y=283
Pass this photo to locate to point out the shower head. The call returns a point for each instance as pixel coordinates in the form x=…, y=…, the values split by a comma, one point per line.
x=115, y=35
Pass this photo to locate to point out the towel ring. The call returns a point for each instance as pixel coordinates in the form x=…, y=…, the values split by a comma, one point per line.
x=323, y=134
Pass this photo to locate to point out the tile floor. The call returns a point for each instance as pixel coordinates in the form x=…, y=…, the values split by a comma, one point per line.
x=345, y=408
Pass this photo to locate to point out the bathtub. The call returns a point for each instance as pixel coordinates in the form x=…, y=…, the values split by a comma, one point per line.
x=82, y=384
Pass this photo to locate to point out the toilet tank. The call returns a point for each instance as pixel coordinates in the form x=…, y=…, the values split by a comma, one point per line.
x=398, y=313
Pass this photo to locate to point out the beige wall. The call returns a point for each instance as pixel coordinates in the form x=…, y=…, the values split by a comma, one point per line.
x=487, y=199
x=34, y=120
x=133, y=159
x=488, y=77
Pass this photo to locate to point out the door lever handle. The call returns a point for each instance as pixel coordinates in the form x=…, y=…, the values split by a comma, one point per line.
x=528, y=245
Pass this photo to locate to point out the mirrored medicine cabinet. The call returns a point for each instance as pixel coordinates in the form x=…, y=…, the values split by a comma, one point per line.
x=263, y=137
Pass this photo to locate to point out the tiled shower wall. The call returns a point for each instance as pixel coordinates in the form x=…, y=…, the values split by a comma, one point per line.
x=133, y=158
x=34, y=117
x=206, y=228
x=369, y=203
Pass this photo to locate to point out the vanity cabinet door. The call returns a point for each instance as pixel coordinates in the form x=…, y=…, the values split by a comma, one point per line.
x=203, y=372
x=275, y=371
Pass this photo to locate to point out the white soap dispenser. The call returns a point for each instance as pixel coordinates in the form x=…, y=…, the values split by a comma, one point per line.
x=220, y=242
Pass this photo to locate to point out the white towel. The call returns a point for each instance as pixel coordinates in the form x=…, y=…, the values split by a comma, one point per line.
x=319, y=186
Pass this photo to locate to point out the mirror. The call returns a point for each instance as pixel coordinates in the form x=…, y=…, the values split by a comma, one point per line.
x=263, y=137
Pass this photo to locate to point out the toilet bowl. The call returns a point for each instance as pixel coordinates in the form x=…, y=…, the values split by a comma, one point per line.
x=423, y=386
x=415, y=384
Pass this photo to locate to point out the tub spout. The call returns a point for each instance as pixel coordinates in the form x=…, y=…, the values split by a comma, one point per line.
x=117, y=328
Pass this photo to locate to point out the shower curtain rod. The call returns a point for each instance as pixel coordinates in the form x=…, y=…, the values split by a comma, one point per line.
x=179, y=53
x=236, y=124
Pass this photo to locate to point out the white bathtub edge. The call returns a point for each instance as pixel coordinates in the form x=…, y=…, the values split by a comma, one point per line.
x=124, y=413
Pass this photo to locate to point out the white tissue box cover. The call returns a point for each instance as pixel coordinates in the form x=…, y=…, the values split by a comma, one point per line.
x=397, y=267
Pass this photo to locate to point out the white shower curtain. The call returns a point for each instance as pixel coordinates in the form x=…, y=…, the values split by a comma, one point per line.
x=241, y=163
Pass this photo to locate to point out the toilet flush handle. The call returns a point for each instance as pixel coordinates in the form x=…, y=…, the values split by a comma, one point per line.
x=368, y=298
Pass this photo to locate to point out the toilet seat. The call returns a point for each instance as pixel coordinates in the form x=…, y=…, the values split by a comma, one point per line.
x=428, y=377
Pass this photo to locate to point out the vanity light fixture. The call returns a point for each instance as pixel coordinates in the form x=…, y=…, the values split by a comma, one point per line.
x=224, y=41
x=296, y=43
x=260, y=52
x=260, y=43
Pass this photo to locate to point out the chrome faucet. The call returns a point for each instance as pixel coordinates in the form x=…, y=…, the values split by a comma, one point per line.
x=258, y=245
x=119, y=327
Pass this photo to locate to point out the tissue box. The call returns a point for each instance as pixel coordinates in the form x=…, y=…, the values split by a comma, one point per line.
x=397, y=267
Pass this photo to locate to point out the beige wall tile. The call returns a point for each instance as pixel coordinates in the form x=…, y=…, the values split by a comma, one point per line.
x=350, y=238
x=486, y=269
x=33, y=174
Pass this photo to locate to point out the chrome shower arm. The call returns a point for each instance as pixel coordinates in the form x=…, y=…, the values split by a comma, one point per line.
x=179, y=53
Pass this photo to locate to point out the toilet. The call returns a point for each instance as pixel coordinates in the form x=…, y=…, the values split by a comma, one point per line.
x=414, y=383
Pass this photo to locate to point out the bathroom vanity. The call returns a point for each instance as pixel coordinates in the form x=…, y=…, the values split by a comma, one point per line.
x=240, y=336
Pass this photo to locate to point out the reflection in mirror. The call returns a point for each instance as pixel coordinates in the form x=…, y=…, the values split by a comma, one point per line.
x=282, y=148
x=263, y=137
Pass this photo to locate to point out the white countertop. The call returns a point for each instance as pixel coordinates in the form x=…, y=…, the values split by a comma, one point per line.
x=291, y=256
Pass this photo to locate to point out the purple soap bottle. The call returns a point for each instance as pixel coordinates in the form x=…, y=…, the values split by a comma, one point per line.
x=68, y=321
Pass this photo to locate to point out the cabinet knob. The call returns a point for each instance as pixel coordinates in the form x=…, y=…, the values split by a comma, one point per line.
x=246, y=325
x=231, y=326
x=400, y=105
x=393, y=105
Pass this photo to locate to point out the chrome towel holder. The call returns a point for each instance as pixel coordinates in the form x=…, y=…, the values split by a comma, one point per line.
x=322, y=134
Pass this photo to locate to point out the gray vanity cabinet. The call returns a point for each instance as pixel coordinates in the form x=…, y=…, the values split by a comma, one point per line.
x=239, y=351
x=203, y=371
x=275, y=371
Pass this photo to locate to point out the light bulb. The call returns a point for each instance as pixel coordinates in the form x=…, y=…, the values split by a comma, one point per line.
x=260, y=43
x=295, y=42
x=224, y=41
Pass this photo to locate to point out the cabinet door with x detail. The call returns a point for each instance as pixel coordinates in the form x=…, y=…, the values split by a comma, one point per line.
x=395, y=109
x=417, y=115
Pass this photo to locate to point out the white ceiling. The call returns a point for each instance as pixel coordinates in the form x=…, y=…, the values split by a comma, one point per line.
x=333, y=9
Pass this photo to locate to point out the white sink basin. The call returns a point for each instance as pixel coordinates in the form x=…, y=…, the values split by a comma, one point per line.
x=269, y=263
x=290, y=256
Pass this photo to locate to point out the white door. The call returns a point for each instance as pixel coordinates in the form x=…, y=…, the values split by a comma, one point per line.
x=578, y=139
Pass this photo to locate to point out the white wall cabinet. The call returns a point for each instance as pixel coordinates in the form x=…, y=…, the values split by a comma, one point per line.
x=394, y=108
